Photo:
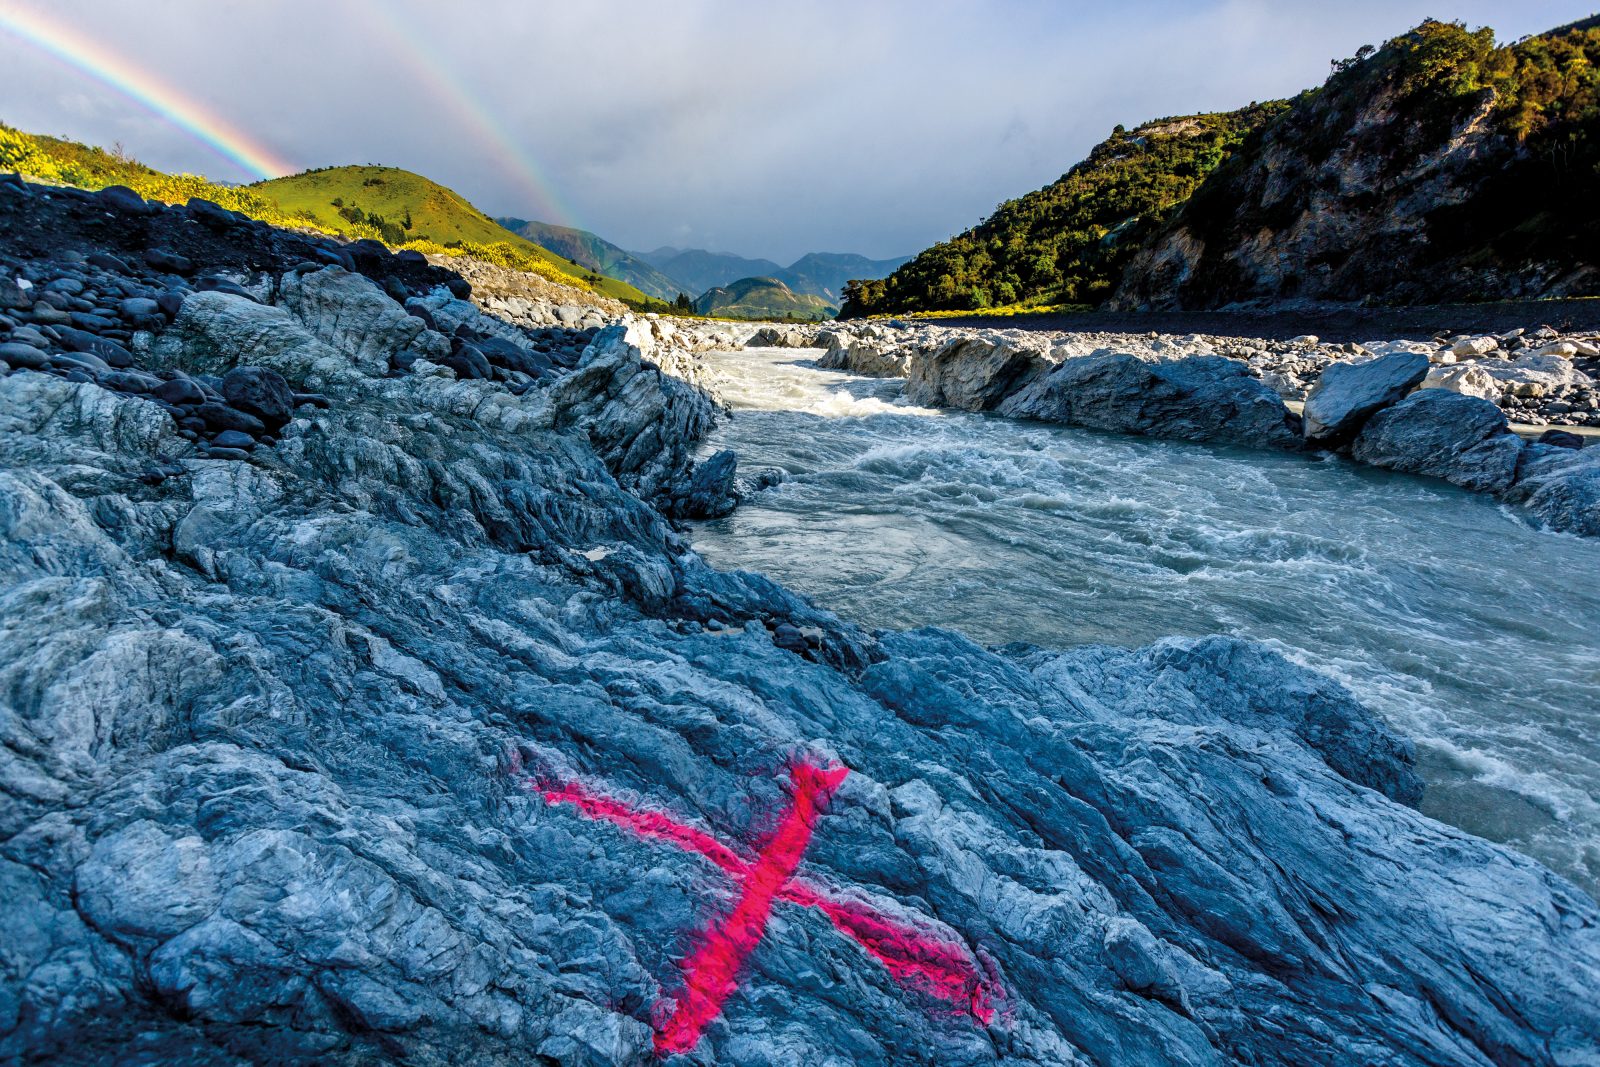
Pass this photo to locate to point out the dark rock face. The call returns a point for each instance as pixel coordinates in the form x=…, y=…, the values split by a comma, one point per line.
x=1348, y=394
x=1386, y=185
x=1462, y=439
x=1207, y=398
x=260, y=392
x=711, y=492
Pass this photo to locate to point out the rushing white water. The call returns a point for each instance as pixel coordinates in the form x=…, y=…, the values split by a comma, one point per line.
x=1474, y=633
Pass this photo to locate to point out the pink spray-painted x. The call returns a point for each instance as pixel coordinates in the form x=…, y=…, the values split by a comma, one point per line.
x=925, y=955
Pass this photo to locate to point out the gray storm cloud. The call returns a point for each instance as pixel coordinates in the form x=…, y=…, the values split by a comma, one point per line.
x=764, y=129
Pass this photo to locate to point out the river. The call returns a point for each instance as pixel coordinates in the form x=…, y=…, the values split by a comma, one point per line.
x=1470, y=630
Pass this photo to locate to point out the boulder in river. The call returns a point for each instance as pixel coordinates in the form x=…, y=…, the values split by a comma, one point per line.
x=1348, y=394
x=1201, y=398
x=1462, y=439
x=973, y=374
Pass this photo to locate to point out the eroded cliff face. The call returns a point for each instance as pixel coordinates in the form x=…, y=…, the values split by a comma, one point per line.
x=1369, y=189
x=420, y=734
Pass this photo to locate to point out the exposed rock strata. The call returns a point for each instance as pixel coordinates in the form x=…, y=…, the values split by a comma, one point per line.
x=267, y=723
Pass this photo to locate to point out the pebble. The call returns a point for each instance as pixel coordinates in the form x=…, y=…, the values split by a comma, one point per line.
x=18, y=354
x=234, y=439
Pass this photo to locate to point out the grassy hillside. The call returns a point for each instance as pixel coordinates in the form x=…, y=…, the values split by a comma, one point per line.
x=63, y=162
x=594, y=253
x=762, y=298
x=412, y=211
x=405, y=207
x=1067, y=242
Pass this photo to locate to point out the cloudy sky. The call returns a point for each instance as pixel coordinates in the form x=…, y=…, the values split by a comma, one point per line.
x=752, y=126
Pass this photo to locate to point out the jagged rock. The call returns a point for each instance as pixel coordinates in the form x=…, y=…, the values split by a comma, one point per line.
x=641, y=422
x=1561, y=487
x=215, y=331
x=972, y=374
x=280, y=739
x=711, y=493
x=1204, y=398
x=865, y=356
x=351, y=314
x=784, y=337
x=1461, y=439
x=1348, y=394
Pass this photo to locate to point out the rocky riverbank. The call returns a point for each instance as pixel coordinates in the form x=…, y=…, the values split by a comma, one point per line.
x=404, y=725
x=1234, y=390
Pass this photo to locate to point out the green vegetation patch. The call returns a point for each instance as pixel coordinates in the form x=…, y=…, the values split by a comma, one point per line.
x=1067, y=243
x=406, y=210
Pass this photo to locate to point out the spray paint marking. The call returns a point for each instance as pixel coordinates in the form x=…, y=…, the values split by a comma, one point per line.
x=927, y=955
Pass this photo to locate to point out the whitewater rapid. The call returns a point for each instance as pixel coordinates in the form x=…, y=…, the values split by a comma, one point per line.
x=1475, y=633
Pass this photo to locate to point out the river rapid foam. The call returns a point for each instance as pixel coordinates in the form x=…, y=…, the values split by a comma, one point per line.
x=1472, y=631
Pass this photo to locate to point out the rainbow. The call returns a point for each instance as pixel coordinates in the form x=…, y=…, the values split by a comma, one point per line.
x=408, y=44
x=77, y=50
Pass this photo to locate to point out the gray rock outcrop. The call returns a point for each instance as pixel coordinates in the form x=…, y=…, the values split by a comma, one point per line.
x=1204, y=398
x=973, y=374
x=278, y=732
x=1348, y=394
x=1461, y=439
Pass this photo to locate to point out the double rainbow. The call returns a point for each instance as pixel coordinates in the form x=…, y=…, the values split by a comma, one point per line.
x=55, y=37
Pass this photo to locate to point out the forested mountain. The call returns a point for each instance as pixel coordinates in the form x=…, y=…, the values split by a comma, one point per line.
x=1441, y=166
x=595, y=253
x=1067, y=242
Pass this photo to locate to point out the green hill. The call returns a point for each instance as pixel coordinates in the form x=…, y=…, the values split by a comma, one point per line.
x=1067, y=242
x=382, y=203
x=404, y=207
x=762, y=298
x=595, y=253
x=58, y=161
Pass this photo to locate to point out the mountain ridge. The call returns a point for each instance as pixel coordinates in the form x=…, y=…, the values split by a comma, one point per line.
x=1440, y=167
x=762, y=298
x=593, y=252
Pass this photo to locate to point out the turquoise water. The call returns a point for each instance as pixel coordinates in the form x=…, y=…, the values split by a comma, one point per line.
x=1473, y=632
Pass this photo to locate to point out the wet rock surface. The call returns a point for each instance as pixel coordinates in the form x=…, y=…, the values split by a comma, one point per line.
x=276, y=726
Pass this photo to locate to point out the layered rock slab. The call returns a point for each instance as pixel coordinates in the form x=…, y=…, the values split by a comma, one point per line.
x=267, y=725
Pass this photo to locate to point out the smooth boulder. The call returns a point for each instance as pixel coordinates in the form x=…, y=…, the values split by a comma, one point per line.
x=1202, y=398
x=1348, y=394
x=1462, y=439
x=261, y=392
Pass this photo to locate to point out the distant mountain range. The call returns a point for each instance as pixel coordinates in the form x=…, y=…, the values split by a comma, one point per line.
x=820, y=274
x=595, y=253
x=667, y=271
x=762, y=298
